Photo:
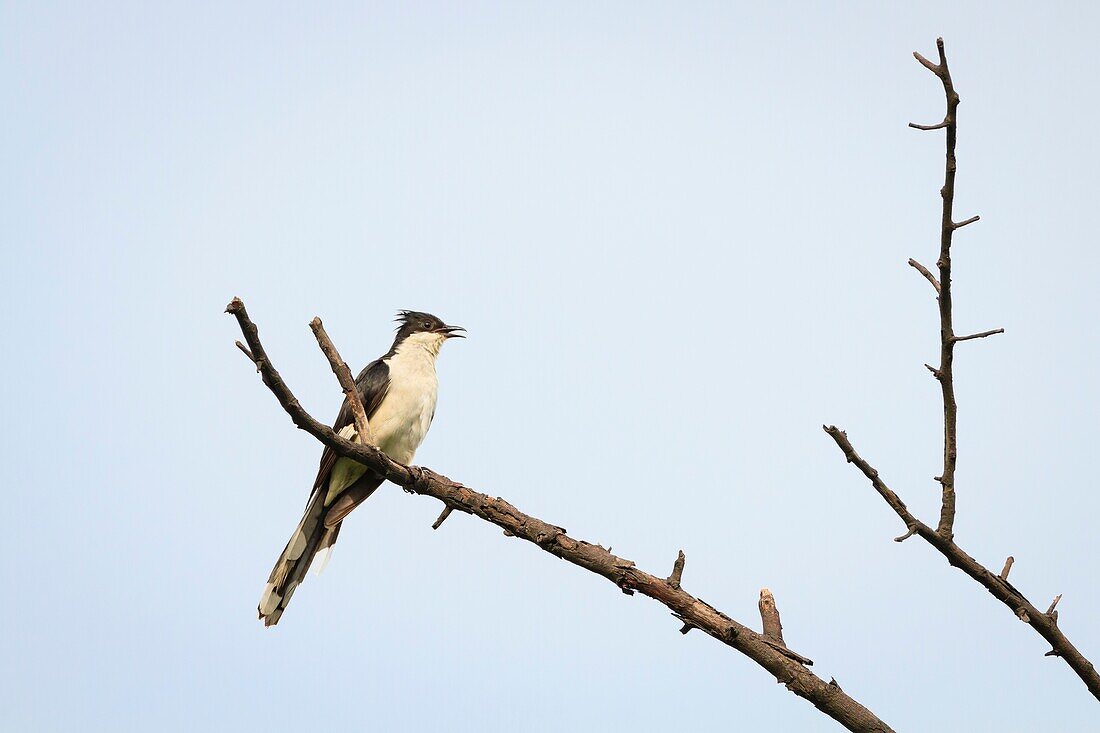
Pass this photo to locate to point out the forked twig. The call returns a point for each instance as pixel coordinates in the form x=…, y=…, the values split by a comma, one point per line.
x=942, y=537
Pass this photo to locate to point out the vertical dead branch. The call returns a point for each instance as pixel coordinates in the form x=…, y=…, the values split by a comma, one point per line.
x=769, y=616
x=677, y=570
x=947, y=335
x=942, y=538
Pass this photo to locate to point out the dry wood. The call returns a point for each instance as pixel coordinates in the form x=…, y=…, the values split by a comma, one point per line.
x=942, y=538
x=442, y=517
x=787, y=666
x=677, y=570
x=769, y=616
x=343, y=375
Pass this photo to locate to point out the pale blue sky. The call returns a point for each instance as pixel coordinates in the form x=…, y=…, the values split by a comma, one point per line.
x=677, y=235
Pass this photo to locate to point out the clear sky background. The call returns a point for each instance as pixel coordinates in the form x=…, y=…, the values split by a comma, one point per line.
x=677, y=235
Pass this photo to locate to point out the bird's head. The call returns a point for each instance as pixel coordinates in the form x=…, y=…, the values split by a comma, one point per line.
x=424, y=330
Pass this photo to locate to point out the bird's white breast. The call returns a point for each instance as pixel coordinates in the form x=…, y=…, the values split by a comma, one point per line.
x=402, y=420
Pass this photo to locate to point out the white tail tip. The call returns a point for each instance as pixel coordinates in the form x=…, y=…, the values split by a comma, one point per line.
x=321, y=561
x=269, y=601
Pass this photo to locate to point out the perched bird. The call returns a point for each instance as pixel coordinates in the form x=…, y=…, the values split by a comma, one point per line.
x=398, y=392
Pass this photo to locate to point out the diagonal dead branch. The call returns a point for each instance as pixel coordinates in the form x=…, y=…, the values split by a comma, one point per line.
x=912, y=523
x=343, y=374
x=924, y=271
x=245, y=351
x=787, y=666
x=927, y=64
x=442, y=517
x=997, y=586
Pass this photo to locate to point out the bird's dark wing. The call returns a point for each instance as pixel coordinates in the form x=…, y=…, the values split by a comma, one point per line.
x=373, y=383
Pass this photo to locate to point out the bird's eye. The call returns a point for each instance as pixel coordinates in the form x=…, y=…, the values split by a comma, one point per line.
x=427, y=326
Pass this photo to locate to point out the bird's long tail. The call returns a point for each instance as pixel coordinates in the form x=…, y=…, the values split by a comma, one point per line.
x=314, y=536
x=310, y=537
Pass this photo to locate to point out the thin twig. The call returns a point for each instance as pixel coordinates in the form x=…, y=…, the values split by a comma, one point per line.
x=443, y=516
x=912, y=531
x=343, y=374
x=924, y=271
x=884, y=491
x=787, y=666
x=1008, y=566
x=937, y=126
x=246, y=352
x=961, y=224
x=981, y=335
x=926, y=63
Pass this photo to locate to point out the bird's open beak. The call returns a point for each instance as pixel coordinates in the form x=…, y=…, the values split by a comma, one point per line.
x=451, y=332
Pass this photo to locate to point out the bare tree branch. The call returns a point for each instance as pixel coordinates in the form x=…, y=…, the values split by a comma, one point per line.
x=942, y=538
x=343, y=374
x=677, y=570
x=928, y=65
x=787, y=666
x=909, y=533
x=442, y=516
x=997, y=585
x=924, y=271
x=945, y=373
x=769, y=617
x=245, y=351
x=981, y=335
x=937, y=126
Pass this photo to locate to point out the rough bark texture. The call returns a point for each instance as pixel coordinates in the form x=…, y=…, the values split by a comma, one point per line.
x=788, y=667
x=769, y=616
x=942, y=537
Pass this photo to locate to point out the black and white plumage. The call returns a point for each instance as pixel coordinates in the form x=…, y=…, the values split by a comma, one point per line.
x=398, y=392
